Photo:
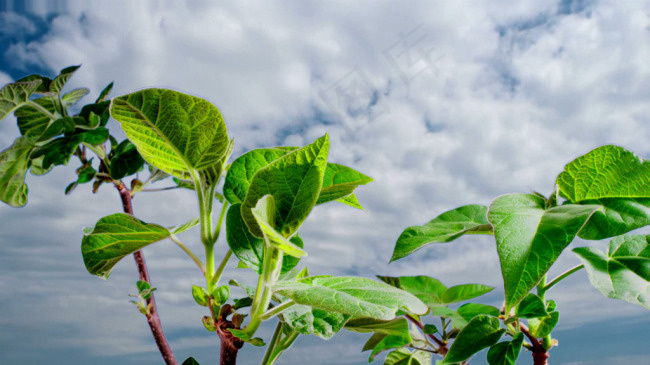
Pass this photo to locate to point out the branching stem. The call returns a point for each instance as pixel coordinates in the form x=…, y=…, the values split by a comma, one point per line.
x=559, y=278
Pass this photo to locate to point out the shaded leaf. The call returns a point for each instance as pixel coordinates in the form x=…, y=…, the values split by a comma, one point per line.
x=32, y=121
x=617, y=216
x=506, y=353
x=481, y=332
x=543, y=326
x=468, y=219
x=13, y=167
x=397, y=326
x=102, y=95
x=623, y=272
x=605, y=172
x=189, y=360
x=531, y=306
x=15, y=95
x=471, y=310
x=530, y=238
x=457, y=321
x=74, y=96
x=126, y=161
x=381, y=342
x=114, y=237
x=59, y=82
x=264, y=213
x=313, y=321
x=403, y=356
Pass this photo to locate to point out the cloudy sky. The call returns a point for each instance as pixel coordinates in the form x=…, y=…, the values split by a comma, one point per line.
x=443, y=103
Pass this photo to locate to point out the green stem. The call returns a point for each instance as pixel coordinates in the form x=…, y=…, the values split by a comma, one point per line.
x=189, y=252
x=277, y=310
x=217, y=230
x=275, y=340
x=561, y=277
x=270, y=273
x=222, y=266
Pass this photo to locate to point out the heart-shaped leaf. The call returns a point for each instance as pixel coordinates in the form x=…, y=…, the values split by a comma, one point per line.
x=506, y=353
x=605, y=172
x=114, y=237
x=174, y=132
x=481, y=332
x=468, y=219
x=358, y=297
x=530, y=238
x=14, y=162
x=294, y=181
x=624, y=271
x=531, y=306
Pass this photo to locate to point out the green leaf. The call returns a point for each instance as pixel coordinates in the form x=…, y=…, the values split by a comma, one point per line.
x=358, y=297
x=221, y=294
x=86, y=175
x=59, y=82
x=351, y=200
x=471, y=310
x=339, y=182
x=531, y=306
x=429, y=290
x=403, y=356
x=313, y=321
x=74, y=96
x=243, y=169
x=43, y=87
x=248, y=248
x=481, y=332
x=618, y=216
x=36, y=166
x=506, y=353
x=58, y=151
x=468, y=219
x=32, y=121
x=294, y=181
x=102, y=96
x=398, y=326
x=13, y=167
x=126, y=161
x=15, y=95
x=624, y=271
x=457, y=320
x=174, y=132
x=200, y=295
x=242, y=335
x=114, y=237
x=605, y=172
x=186, y=226
x=95, y=115
x=530, y=238
x=264, y=213
x=542, y=327
x=460, y=293
x=142, y=285
x=381, y=342
x=189, y=360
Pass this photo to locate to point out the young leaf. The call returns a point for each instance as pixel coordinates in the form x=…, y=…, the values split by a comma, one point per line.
x=543, y=326
x=471, y=310
x=15, y=95
x=126, y=161
x=13, y=167
x=339, y=182
x=264, y=213
x=622, y=273
x=403, y=356
x=189, y=360
x=174, y=132
x=358, y=297
x=294, y=181
x=351, y=200
x=59, y=82
x=531, y=306
x=457, y=321
x=506, y=353
x=185, y=226
x=74, y=96
x=481, y=332
x=243, y=169
x=530, y=238
x=200, y=295
x=460, y=293
x=313, y=321
x=114, y=237
x=381, y=342
x=468, y=219
x=618, y=216
x=221, y=294
x=605, y=172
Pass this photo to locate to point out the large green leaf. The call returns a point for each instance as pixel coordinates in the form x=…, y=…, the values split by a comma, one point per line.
x=241, y=171
x=468, y=219
x=624, y=271
x=294, y=181
x=481, y=332
x=248, y=248
x=618, y=216
x=16, y=94
x=175, y=132
x=358, y=297
x=339, y=182
x=463, y=292
x=13, y=167
x=313, y=321
x=404, y=356
x=32, y=121
x=530, y=238
x=605, y=172
x=433, y=293
x=114, y=237
x=506, y=353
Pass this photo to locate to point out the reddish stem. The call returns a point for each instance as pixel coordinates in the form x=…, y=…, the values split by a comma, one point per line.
x=230, y=344
x=152, y=317
x=540, y=354
x=442, y=347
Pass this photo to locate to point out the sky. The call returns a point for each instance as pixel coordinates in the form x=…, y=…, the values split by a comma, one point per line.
x=443, y=103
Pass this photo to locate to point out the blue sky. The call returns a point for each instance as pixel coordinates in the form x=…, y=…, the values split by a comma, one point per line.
x=442, y=103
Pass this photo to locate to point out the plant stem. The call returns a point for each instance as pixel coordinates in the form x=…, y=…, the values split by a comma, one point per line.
x=442, y=347
x=270, y=273
x=540, y=354
x=217, y=230
x=189, y=252
x=561, y=277
x=222, y=266
x=152, y=318
x=277, y=310
x=275, y=340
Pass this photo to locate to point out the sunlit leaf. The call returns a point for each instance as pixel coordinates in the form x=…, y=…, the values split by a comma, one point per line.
x=481, y=332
